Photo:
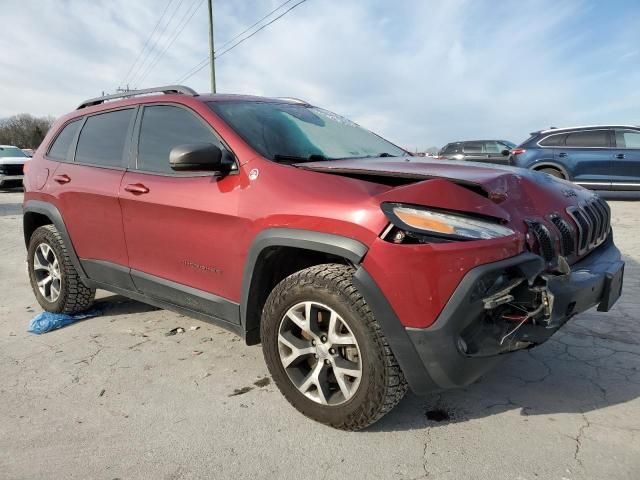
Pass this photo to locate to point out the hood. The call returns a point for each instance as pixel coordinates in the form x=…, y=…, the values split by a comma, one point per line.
x=516, y=196
x=13, y=160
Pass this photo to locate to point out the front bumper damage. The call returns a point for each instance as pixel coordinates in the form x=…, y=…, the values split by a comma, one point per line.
x=497, y=308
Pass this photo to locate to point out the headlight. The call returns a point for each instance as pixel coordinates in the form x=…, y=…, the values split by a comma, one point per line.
x=440, y=225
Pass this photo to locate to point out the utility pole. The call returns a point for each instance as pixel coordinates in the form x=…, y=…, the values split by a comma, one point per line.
x=211, y=59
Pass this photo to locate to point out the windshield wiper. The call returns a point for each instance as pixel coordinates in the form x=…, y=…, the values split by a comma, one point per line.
x=298, y=159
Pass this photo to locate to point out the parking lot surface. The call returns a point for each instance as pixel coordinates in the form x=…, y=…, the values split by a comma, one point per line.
x=116, y=397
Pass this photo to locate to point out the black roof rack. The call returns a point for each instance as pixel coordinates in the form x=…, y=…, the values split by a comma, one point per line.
x=133, y=93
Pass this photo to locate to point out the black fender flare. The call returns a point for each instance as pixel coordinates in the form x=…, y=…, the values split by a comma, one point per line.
x=345, y=247
x=53, y=214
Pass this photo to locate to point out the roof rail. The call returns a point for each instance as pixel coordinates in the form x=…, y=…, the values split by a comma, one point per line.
x=294, y=100
x=134, y=93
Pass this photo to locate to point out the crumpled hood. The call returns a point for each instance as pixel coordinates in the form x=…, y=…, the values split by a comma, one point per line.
x=495, y=180
x=514, y=195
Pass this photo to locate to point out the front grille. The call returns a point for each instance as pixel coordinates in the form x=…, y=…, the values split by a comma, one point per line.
x=11, y=169
x=543, y=239
x=593, y=219
x=567, y=236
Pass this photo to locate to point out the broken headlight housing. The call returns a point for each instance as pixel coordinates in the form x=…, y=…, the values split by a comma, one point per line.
x=431, y=225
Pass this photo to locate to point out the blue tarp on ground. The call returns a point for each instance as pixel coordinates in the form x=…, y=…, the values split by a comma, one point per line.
x=45, y=322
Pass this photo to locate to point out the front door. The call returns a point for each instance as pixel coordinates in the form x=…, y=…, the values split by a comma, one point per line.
x=625, y=160
x=494, y=153
x=180, y=228
x=587, y=154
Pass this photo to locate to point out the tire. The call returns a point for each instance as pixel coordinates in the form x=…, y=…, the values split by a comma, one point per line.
x=554, y=172
x=73, y=295
x=381, y=384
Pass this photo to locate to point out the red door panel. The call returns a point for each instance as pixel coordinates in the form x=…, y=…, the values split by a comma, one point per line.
x=88, y=202
x=184, y=229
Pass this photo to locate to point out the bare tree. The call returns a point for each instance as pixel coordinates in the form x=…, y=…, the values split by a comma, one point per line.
x=24, y=130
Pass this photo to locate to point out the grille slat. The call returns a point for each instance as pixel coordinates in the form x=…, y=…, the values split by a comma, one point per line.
x=567, y=237
x=544, y=239
x=593, y=220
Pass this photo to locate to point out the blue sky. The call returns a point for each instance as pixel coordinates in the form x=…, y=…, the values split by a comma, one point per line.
x=419, y=72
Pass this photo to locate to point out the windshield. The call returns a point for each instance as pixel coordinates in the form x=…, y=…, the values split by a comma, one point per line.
x=11, y=152
x=282, y=131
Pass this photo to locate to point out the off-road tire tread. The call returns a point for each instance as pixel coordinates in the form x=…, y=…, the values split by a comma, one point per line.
x=78, y=297
x=390, y=386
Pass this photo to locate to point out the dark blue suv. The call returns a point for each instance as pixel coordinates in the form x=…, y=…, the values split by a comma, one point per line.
x=605, y=157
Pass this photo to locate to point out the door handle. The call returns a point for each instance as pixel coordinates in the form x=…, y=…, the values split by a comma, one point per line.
x=62, y=179
x=136, y=188
x=562, y=155
x=620, y=156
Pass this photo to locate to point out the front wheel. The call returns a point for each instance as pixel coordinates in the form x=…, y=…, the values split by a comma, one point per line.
x=326, y=352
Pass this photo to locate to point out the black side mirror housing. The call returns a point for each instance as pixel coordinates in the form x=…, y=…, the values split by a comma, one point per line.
x=200, y=157
x=506, y=153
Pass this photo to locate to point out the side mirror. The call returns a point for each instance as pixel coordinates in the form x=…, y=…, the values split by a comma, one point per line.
x=506, y=153
x=200, y=157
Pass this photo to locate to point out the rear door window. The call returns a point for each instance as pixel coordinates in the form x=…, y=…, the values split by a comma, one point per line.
x=60, y=148
x=627, y=139
x=588, y=139
x=472, y=147
x=165, y=127
x=103, y=138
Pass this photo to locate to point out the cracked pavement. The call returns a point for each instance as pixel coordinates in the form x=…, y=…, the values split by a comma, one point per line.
x=115, y=397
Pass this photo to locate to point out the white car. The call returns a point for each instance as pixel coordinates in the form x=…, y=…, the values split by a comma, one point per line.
x=12, y=161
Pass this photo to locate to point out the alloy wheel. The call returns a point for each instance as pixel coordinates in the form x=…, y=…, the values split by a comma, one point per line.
x=320, y=353
x=47, y=272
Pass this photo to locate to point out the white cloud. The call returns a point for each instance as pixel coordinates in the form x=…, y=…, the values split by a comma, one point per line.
x=421, y=73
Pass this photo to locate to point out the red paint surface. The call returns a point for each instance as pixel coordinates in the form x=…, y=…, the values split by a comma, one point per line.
x=197, y=230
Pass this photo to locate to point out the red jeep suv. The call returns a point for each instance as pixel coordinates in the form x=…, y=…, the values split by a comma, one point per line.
x=362, y=270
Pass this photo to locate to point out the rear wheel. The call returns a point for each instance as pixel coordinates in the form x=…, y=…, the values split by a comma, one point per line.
x=54, y=279
x=554, y=172
x=326, y=352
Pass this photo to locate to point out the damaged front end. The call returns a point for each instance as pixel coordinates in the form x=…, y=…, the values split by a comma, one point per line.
x=511, y=305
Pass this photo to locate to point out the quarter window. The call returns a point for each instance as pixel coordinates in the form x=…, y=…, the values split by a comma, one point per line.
x=451, y=148
x=627, y=139
x=60, y=148
x=553, y=141
x=165, y=127
x=589, y=138
x=103, y=138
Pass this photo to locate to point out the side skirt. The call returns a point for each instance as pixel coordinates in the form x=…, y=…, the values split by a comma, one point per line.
x=164, y=294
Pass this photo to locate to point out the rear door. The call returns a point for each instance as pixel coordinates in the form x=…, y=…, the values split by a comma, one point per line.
x=474, y=152
x=86, y=184
x=586, y=154
x=180, y=227
x=625, y=160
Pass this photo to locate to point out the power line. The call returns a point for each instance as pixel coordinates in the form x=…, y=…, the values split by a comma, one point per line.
x=261, y=28
x=178, y=30
x=203, y=63
x=259, y=21
x=154, y=47
x=147, y=41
